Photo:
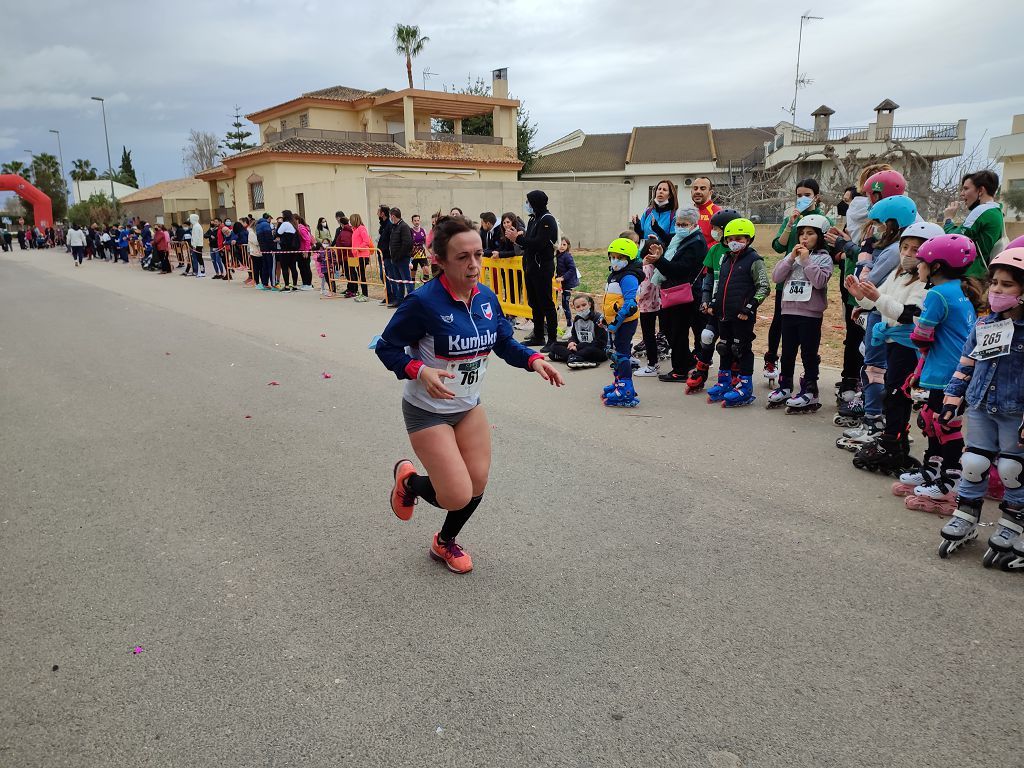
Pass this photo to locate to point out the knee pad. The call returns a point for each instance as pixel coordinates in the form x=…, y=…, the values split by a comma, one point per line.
x=947, y=433
x=975, y=463
x=722, y=347
x=1011, y=471
x=707, y=337
x=875, y=375
x=737, y=350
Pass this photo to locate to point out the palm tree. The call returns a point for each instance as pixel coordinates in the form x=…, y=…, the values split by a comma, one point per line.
x=82, y=170
x=408, y=43
x=17, y=168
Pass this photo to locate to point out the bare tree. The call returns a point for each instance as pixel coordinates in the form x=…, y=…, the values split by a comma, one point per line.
x=947, y=177
x=200, y=152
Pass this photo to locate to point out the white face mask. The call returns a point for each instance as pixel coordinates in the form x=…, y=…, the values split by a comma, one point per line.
x=736, y=246
x=529, y=209
x=617, y=264
x=583, y=313
x=682, y=229
x=716, y=234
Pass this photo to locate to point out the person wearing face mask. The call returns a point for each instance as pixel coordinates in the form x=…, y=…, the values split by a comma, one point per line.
x=743, y=286
x=808, y=203
x=888, y=218
x=675, y=272
x=659, y=218
x=984, y=222
x=899, y=299
x=622, y=314
x=712, y=264
x=588, y=340
x=539, y=243
x=988, y=378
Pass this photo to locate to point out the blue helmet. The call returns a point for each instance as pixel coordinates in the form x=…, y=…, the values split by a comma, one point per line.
x=897, y=207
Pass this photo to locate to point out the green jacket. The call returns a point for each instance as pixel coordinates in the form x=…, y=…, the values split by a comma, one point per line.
x=986, y=231
x=713, y=263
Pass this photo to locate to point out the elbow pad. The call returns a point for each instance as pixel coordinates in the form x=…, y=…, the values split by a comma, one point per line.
x=910, y=311
x=922, y=337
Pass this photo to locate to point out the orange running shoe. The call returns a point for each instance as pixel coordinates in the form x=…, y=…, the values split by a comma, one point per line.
x=452, y=555
x=403, y=501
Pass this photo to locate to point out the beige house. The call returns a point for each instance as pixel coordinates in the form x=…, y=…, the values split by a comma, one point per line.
x=169, y=202
x=319, y=150
x=647, y=154
x=1009, y=150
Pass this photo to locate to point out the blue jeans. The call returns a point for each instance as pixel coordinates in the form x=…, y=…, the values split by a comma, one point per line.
x=623, y=343
x=401, y=271
x=218, y=261
x=197, y=260
x=874, y=355
x=994, y=433
x=386, y=274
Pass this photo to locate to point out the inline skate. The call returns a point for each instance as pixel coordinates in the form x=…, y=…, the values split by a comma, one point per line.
x=962, y=527
x=855, y=438
x=697, y=378
x=741, y=394
x=888, y=455
x=849, y=405
x=623, y=396
x=716, y=394
x=923, y=475
x=937, y=497
x=771, y=374
x=804, y=401
x=779, y=395
x=1001, y=543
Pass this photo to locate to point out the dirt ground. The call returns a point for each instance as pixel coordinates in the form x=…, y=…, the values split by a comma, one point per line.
x=593, y=267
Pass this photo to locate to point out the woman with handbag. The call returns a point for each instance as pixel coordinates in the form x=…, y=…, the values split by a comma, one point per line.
x=675, y=270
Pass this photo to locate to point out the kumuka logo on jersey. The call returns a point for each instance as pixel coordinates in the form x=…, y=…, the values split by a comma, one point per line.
x=486, y=309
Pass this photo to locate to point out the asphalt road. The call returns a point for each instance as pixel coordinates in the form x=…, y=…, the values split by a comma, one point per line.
x=675, y=585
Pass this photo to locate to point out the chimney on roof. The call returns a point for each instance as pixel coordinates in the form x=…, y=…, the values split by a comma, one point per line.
x=883, y=121
x=821, y=120
x=499, y=83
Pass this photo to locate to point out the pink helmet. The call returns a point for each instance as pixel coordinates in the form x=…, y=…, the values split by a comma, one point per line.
x=956, y=251
x=1016, y=243
x=886, y=184
x=1011, y=257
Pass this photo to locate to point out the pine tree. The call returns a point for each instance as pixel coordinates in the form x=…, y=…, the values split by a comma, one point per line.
x=236, y=139
x=126, y=174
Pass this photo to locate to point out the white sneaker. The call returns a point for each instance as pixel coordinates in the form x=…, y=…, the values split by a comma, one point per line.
x=306, y=288
x=202, y=274
x=648, y=370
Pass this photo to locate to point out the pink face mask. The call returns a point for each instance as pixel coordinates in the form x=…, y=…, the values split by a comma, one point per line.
x=1002, y=302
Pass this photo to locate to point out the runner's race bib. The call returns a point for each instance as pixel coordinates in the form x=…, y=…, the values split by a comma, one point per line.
x=469, y=376
x=993, y=340
x=796, y=290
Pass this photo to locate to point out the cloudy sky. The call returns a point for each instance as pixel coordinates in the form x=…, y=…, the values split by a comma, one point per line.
x=601, y=66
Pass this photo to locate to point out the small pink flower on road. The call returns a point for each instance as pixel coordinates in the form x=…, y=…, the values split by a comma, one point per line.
x=326, y=375
x=273, y=384
x=323, y=335
x=137, y=650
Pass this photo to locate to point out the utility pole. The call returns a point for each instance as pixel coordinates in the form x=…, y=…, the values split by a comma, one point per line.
x=110, y=165
x=798, y=81
x=63, y=180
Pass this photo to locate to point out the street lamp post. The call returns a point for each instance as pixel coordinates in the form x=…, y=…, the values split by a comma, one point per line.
x=60, y=154
x=110, y=165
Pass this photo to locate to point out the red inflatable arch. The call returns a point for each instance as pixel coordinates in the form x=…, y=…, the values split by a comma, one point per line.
x=42, y=208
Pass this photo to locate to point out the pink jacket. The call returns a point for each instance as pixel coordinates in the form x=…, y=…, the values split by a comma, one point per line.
x=305, y=238
x=362, y=245
x=648, y=297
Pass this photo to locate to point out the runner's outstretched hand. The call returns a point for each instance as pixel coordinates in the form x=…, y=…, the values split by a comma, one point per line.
x=548, y=372
x=433, y=380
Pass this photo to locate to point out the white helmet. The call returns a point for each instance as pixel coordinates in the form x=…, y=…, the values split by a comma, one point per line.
x=815, y=220
x=925, y=230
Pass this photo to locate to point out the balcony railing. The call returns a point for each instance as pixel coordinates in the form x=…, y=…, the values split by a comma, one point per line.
x=380, y=138
x=925, y=132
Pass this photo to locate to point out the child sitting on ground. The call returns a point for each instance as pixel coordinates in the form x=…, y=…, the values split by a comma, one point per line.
x=588, y=340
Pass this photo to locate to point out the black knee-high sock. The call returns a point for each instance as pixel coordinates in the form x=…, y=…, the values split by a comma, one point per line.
x=422, y=487
x=457, y=518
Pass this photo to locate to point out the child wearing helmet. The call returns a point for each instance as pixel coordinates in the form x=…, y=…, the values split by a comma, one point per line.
x=621, y=314
x=988, y=378
x=946, y=319
x=888, y=219
x=742, y=287
x=712, y=264
x=808, y=203
x=899, y=300
x=803, y=274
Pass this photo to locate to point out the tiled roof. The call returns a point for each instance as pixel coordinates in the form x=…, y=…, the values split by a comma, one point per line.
x=599, y=152
x=325, y=147
x=158, y=190
x=344, y=93
x=736, y=143
x=671, y=144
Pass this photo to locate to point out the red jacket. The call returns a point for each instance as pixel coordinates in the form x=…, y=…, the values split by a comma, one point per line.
x=162, y=240
x=706, y=211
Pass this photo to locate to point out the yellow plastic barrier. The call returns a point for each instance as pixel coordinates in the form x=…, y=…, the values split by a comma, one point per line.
x=505, y=277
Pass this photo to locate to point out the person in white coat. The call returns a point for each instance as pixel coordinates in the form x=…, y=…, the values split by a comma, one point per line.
x=76, y=242
x=198, y=265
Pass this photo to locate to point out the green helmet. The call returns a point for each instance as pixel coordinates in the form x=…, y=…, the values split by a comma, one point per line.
x=623, y=247
x=740, y=227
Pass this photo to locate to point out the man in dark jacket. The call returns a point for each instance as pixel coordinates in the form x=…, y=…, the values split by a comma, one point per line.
x=338, y=216
x=265, y=238
x=539, y=243
x=400, y=249
x=383, y=245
